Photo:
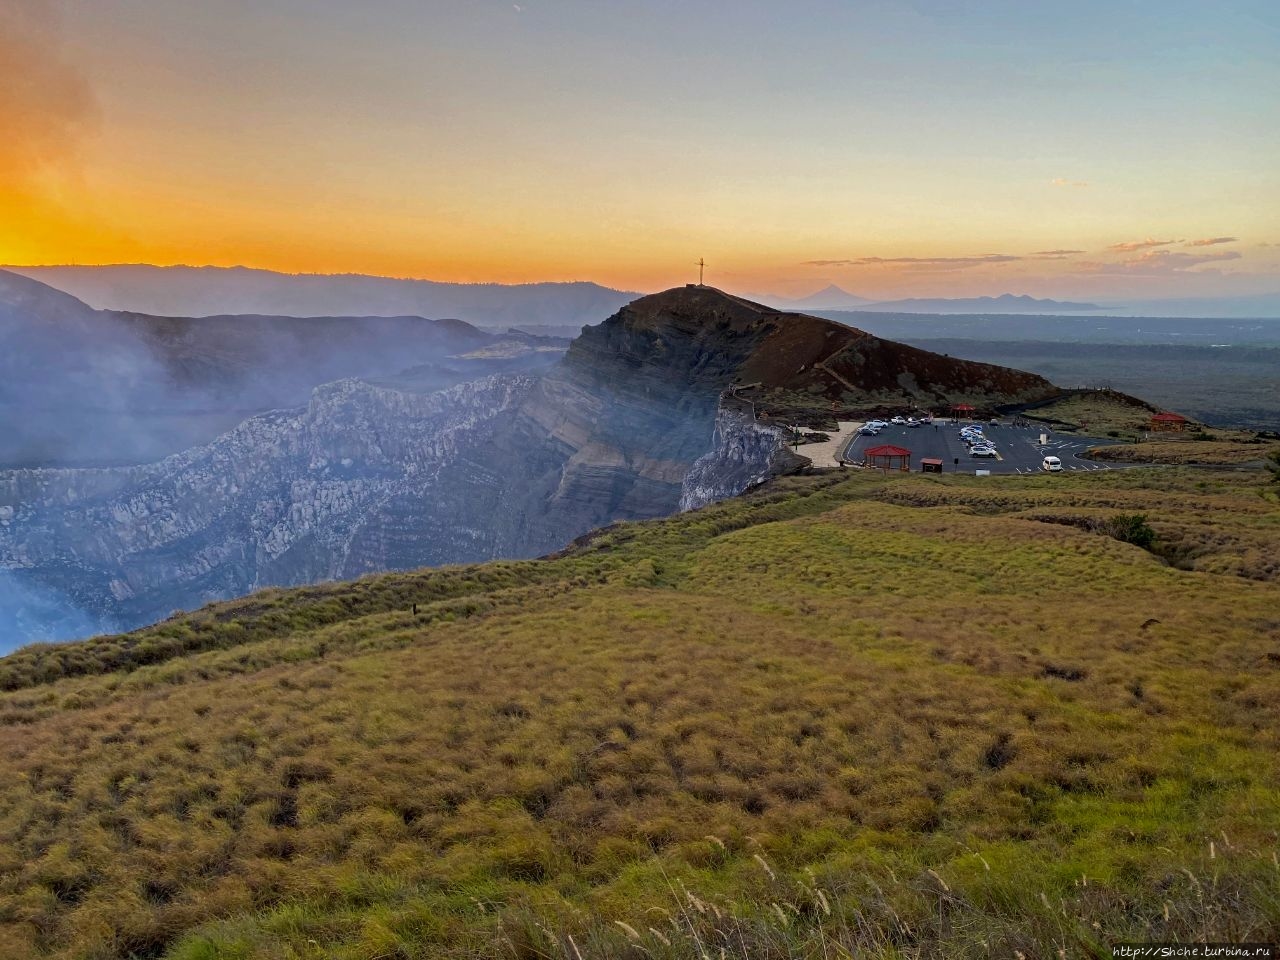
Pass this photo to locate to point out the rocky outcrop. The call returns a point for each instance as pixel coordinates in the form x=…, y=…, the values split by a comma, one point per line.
x=743, y=453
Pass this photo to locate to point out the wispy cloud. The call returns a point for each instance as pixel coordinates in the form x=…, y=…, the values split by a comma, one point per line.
x=1131, y=245
x=1064, y=182
x=1053, y=254
x=1210, y=241
x=1177, y=260
x=945, y=263
x=1158, y=263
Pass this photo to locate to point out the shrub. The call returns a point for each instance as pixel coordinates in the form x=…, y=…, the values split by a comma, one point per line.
x=1131, y=528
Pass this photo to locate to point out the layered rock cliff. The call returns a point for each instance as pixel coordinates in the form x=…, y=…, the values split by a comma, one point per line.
x=361, y=479
x=744, y=453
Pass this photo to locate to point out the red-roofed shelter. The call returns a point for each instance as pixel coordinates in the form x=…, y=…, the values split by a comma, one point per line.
x=1169, y=422
x=888, y=457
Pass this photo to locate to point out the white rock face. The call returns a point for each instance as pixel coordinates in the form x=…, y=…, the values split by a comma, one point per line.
x=743, y=454
x=278, y=500
x=366, y=479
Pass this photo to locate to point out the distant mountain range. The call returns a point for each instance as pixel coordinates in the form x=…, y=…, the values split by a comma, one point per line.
x=1005, y=303
x=85, y=387
x=1262, y=306
x=204, y=291
x=1060, y=328
x=829, y=297
x=549, y=309
x=832, y=297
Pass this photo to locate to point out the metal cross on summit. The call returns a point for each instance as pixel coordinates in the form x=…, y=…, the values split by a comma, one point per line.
x=701, y=266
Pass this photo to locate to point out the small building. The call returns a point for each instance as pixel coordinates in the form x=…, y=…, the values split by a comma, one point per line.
x=930, y=465
x=888, y=457
x=1169, y=422
x=959, y=410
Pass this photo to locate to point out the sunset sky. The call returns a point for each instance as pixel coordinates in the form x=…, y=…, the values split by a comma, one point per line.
x=936, y=147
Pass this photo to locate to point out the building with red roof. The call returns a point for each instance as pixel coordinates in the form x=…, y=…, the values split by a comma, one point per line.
x=889, y=457
x=1169, y=422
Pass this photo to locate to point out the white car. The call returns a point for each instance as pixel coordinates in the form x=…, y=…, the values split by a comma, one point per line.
x=1052, y=464
x=898, y=421
x=982, y=450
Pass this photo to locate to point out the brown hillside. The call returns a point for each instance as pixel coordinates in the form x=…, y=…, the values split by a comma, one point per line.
x=789, y=360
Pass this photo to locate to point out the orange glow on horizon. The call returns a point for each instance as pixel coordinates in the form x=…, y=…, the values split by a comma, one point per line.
x=638, y=246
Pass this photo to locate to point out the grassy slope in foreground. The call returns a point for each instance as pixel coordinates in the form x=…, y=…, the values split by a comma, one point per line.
x=902, y=715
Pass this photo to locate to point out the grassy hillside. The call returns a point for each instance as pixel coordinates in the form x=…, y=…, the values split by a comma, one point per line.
x=1101, y=411
x=1188, y=451
x=849, y=714
x=1222, y=385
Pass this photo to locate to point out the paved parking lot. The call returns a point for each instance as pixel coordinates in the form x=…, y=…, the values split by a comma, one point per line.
x=1018, y=448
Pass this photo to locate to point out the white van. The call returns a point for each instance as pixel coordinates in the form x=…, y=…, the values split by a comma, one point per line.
x=1052, y=464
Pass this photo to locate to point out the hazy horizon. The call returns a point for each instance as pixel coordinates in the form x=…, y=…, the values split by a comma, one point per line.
x=1262, y=306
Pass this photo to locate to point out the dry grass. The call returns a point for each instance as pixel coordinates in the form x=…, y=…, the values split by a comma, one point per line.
x=895, y=717
x=1182, y=452
x=1097, y=412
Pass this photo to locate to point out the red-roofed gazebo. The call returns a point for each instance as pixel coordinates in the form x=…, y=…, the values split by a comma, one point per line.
x=1174, y=422
x=889, y=457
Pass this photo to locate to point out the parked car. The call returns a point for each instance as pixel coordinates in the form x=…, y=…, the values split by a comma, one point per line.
x=898, y=421
x=982, y=451
x=1052, y=464
x=912, y=422
x=867, y=430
